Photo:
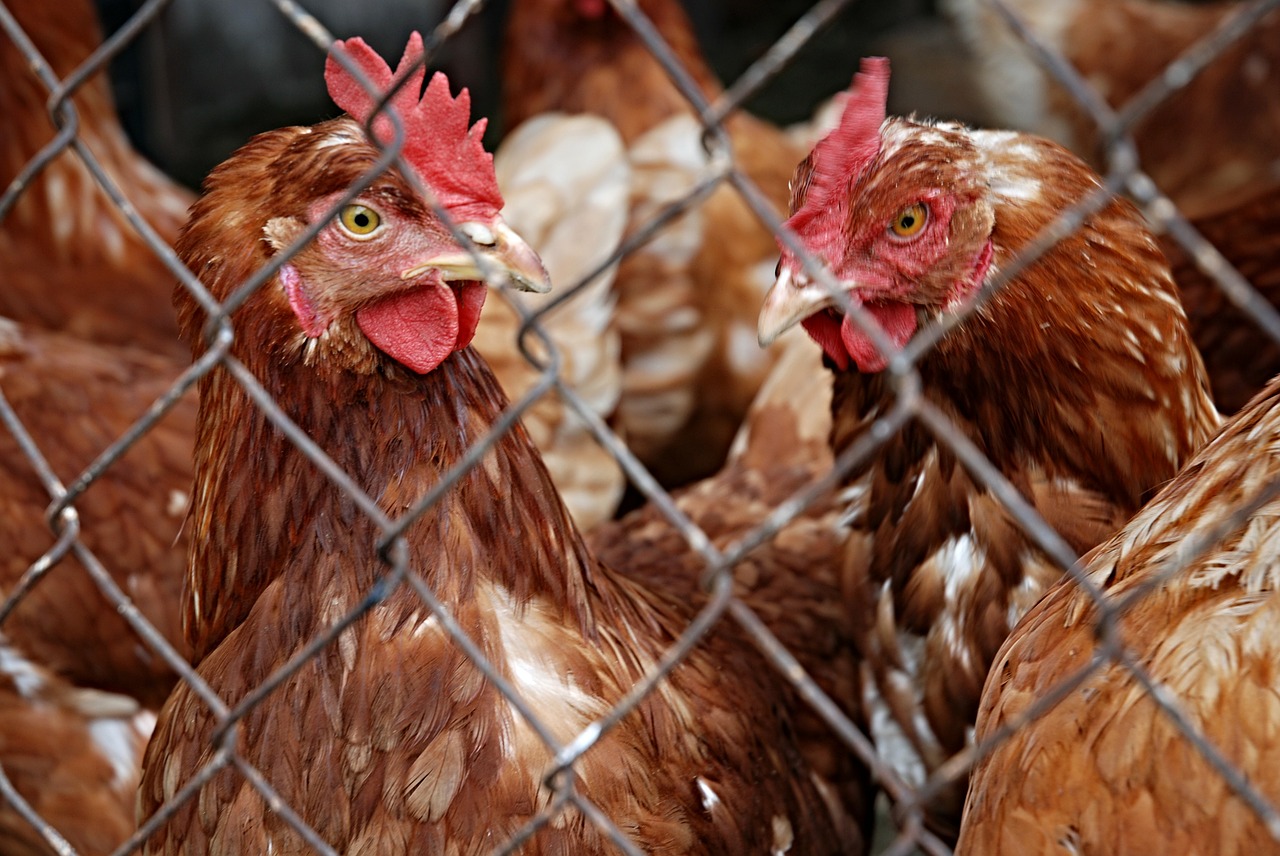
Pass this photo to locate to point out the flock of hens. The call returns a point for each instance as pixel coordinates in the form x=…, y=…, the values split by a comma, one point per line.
x=401, y=649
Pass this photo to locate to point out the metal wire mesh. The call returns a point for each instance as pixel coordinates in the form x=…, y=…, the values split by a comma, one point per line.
x=1124, y=175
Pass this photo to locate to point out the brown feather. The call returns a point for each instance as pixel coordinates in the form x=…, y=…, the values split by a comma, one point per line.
x=76, y=398
x=1105, y=770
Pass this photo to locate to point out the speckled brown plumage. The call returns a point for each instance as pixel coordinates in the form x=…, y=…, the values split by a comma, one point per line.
x=76, y=398
x=391, y=741
x=793, y=580
x=1077, y=380
x=1105, y=771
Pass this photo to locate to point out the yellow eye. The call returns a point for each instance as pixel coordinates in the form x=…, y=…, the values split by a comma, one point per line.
x=909, y=221
x=359, y=221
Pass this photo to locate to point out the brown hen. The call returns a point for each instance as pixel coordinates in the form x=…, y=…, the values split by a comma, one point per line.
x=1105, y=770
x=792, y=580
x=1077, y=379
x=390, y=739
x=687, y=299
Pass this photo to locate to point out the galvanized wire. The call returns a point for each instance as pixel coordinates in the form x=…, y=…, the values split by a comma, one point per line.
x=721, y=170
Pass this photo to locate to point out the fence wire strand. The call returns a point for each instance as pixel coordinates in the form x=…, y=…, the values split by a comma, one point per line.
x=565, y=791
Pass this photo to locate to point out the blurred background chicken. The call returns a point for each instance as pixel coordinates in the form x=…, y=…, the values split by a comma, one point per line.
x=686, y=300
x=73, y=754
x=71, y=261
x=1105, y=770
x=1212, y=146
x=76, y=398
x=1208, y=142
x=566, y=182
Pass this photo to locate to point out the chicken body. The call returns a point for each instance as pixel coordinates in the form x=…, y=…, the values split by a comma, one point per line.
x=1077, y=380
x=1105, y=770
x=791, y=581
x=391, y=739
x=687, y=298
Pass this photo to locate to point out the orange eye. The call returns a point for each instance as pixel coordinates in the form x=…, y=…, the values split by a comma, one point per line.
x=359, y=221
x=909, y=221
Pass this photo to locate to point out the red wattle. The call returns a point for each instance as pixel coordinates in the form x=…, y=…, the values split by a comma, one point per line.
x=421, y=327
x=898, y=320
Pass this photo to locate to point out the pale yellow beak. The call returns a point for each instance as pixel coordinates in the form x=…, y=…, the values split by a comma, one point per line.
x=793, y=298
x=506, y=252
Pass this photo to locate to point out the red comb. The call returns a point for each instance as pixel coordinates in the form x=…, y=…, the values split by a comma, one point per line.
x=843, y=154
x=447, y=155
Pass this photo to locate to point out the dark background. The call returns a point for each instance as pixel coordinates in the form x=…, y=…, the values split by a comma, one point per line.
x=215, y=72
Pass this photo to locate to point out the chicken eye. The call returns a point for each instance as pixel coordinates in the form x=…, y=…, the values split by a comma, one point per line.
x=359, y=221
x=909, y=221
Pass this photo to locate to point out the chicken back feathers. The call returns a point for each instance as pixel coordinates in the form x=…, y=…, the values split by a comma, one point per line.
x=1077, y=379
x=391, y=739
x=72, y=753
x=1105, y=770
x=566, y=183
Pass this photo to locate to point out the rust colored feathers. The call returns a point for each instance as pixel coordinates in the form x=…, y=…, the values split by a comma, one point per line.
x=1239, y=356
x=72, y=754
x=391, y=739
x=1104, y=770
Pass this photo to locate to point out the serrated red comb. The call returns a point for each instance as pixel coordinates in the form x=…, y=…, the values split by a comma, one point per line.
x=448, y=155
x=842, y=155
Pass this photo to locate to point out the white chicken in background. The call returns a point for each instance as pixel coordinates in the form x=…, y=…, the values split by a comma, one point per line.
x=566, y=182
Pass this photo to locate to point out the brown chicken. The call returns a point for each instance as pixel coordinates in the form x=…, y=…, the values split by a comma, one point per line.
x=1204, y=145
x=1105, y=770
x=75, y=398
x=687, y=299
x=70, y=260
x=72, y=754
x=390, y=739
x=1077, y=379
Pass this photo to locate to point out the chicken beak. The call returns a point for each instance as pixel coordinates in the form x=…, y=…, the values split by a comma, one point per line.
x=498, y=244
x=793, y=298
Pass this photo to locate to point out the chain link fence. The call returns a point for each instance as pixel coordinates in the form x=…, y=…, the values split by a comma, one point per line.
x=1123, y=173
